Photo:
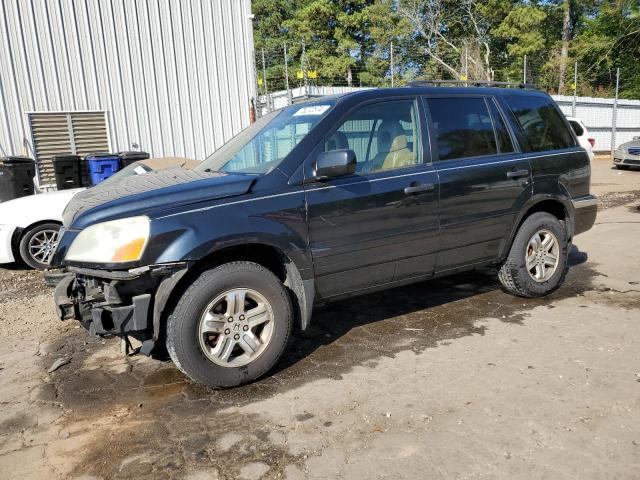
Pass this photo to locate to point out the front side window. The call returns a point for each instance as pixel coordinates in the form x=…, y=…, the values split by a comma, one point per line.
x=462, y=127
x=541, y=123
x=261, y=147
x=383, y=135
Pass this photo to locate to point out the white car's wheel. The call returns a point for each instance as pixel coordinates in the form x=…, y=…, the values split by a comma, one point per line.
x=38, y=244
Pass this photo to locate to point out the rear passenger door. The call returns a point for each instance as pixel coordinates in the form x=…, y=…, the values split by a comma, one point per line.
x=484, y=181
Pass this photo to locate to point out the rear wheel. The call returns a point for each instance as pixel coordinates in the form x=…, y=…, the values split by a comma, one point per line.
x=38, y=244
x=230, y=326
x=537, y=261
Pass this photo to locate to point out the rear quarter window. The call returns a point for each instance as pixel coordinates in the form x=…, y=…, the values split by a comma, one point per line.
x=541, y=123
x=577, y=128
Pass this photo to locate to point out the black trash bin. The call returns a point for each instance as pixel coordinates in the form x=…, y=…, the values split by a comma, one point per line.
x=67, y=170
x=127, y=158
x=16, y=177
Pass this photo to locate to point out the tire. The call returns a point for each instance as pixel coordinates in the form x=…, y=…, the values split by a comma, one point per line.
x=514, y=275
x=622, y=167
x=192, y=352
x=38, y=244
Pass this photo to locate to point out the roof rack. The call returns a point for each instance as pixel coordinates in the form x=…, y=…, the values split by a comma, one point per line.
x=472, y=83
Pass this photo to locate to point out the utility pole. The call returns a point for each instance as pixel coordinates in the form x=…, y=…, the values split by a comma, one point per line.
x=524, y=72
x=286, y=76
x=391, y=53
x=264, y=79
x=304, y=69
x=575, y=88
x=615, y=113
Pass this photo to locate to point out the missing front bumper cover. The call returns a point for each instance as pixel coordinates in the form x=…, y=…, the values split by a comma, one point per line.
x=119, y=320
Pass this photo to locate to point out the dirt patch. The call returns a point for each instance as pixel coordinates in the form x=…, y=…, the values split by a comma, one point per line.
x=167, y=424
x=616, y=199
x=19, y=283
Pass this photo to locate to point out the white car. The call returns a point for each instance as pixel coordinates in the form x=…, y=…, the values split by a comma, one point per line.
x=29, y=225
x=586, y=142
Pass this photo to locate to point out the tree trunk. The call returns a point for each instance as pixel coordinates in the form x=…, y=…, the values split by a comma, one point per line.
x=564, y=52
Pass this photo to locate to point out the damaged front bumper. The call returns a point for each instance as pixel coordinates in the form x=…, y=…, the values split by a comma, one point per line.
x=119, y=303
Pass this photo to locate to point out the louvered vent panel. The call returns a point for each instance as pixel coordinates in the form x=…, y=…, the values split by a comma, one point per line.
x=89, y=133
x=75, y=133
x=51, y=137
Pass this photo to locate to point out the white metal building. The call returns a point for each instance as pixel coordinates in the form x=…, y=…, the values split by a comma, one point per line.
x=169, y=77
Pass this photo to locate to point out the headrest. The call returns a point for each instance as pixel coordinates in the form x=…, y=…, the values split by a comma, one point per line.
x=391, y=137
x=337, y=141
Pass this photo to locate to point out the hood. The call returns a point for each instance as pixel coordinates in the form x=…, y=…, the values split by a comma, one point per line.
x=24, y=211
x=157, y=190
x=632, y=143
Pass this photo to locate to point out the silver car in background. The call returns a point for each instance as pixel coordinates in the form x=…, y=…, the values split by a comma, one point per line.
x=628, y=154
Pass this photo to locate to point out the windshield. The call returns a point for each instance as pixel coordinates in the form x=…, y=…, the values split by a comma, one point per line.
x=136, y=168
x=262, y=146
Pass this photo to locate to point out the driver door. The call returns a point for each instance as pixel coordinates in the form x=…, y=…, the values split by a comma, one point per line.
x=379, y=224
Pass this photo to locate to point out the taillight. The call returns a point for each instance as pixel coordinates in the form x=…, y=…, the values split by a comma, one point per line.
x=592, y=141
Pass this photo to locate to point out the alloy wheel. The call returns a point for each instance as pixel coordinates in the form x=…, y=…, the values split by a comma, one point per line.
x=236, y=327
x=542, y=256
x=42, y=245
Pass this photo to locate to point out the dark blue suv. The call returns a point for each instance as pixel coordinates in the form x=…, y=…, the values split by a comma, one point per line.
x=320, y=201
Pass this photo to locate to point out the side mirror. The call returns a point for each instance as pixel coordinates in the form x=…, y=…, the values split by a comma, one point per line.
x=334, y=163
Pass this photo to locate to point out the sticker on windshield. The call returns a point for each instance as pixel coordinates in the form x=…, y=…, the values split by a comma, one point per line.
x=139, y=170
x=312, y=110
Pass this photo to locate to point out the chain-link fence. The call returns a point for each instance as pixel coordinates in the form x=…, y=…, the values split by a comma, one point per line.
x=285, y=75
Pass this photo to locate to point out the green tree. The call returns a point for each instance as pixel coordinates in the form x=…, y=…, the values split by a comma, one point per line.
x=521, y=28
x=609, y=40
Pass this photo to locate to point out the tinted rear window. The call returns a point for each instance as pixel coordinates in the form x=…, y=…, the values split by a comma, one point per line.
x=541, y=123
x=462, y=127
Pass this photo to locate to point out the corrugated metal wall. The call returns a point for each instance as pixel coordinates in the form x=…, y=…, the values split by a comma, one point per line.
x=597, y=115
x=174, y=76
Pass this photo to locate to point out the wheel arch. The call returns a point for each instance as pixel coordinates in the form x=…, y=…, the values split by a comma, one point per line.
x=272, y=258
x=20, y=232
x=558, y=207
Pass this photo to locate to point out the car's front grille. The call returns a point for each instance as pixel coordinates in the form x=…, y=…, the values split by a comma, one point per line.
x=634, y=150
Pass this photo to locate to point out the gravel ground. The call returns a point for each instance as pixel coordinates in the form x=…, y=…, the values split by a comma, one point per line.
x=450, y=378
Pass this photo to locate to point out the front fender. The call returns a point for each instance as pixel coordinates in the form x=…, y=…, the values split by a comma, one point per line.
x=192, y=235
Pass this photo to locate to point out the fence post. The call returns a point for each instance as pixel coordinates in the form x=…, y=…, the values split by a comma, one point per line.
x=391, y=52
x=614, y=119
x=466, y=64
x=304, y=69
x=256, y=76
x=575, y=89
x=286, y=76
x=524, y=70
x=264, y=79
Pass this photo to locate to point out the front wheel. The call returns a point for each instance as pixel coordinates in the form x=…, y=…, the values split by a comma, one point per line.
x=38, y=244
x=537, y=262
x=231, y=325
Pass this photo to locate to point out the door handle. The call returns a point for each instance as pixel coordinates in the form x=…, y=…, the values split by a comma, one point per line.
x=518, y=173
x=422, y=187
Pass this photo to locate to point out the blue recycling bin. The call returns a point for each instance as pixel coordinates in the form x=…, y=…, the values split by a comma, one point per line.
x=102, y=166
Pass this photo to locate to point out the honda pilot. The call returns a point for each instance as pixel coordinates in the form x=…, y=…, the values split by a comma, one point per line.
x=322, y=201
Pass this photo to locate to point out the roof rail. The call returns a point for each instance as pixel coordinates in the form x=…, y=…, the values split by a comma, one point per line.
x=472, y=83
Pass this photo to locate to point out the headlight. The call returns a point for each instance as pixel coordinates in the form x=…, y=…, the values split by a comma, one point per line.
x=117, y=241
